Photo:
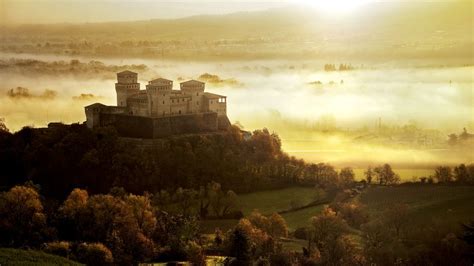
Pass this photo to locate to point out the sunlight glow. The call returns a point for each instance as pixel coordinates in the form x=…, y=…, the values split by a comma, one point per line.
x=336, y=6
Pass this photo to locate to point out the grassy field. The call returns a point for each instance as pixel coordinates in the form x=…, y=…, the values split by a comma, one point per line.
x=9, y=256
x=271, y=201
x=301, y=218
x=268, y=202
x=447, y=205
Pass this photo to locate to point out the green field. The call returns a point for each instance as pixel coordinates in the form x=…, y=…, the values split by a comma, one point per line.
x=301, y=218
x=447, y=205
x=9, y=256
x=270, y=201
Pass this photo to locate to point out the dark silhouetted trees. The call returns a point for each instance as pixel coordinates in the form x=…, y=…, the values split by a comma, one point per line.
x=385, y=175
x=68, y=156
x=443, y=174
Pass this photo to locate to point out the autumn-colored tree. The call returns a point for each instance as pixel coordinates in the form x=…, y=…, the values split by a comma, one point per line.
x=22, y=219
x=278, y=227
x=124, y=224
x=94, y=254
x=328, y=232
x=354, y=213
x=326, y=227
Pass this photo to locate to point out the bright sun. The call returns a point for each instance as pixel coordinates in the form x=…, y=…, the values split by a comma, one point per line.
x=336, y=6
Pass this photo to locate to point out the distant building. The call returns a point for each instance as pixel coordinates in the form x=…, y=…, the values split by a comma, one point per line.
x=159, y=110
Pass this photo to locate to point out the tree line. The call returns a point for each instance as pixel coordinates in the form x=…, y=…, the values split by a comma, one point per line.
x=65, y=157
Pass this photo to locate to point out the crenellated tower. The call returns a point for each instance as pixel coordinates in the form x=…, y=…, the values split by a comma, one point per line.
x=195, y=89
x=126, y=86
x=158, y=92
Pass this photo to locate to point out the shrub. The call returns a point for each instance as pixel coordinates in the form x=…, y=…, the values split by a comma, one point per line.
x=301, y=233
x=62, y=248
x=94, y=254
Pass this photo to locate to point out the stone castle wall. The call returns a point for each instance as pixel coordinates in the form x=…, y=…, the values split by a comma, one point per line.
x=156, y=127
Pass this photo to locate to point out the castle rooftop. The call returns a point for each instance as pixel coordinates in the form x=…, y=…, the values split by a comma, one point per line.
x=160, y=81
x=126, y=72
x=213, y=95
x=192, y=82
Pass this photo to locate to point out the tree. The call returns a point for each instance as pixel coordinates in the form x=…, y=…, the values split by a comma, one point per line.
x=379, y=246
x=230, y=202
x=452, y=139
x=22, y=220
x=161, y=199
x=326, y=227
x=240, y=246
x=278, y=227
x=185, y=199
x=3, y=127
x=94, y=254
x=461, y=174
x=142, y=211
x=72, y=214
x=443, y=174
x=346, y=177
x=353, y=212
x=385, y=175
x=369, y=174
x=396, y=217
x=468, y=237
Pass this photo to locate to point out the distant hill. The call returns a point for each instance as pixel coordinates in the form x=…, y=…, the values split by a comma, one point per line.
x=439, y=28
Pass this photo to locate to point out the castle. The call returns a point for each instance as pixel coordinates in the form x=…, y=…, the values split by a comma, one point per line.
x=159, y=111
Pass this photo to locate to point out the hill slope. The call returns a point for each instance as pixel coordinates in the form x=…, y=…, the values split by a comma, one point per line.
x=9, y=256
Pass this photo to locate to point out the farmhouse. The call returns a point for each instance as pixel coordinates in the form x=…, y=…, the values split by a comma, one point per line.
x=159, y=110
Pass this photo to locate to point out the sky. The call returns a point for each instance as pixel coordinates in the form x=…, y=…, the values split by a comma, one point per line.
x=84, y=11
x=79, y=11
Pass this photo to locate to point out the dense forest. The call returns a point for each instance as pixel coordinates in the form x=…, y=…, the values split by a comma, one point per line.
x=93, y=197
x=65, y=157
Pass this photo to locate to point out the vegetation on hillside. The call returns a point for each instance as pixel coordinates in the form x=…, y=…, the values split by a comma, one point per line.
x=62, y=158
x=10, y=256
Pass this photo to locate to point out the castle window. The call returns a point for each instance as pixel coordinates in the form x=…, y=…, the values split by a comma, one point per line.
x=179, y=112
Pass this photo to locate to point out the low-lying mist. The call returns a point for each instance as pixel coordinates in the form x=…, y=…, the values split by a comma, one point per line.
x=375, y=113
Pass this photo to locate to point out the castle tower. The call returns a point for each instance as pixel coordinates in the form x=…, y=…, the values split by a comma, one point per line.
x=158, y=92
x=195, y=89
x=126, y=86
